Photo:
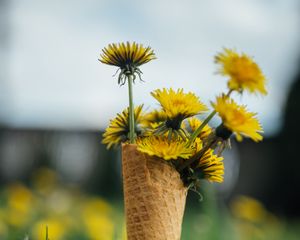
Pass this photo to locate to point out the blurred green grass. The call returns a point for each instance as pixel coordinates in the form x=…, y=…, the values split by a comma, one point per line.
x=69, y=213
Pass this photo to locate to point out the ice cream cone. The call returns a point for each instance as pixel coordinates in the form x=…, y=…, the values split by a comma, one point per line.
x=154, y=196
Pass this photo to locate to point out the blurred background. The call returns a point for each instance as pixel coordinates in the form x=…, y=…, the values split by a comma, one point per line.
x=56, y=100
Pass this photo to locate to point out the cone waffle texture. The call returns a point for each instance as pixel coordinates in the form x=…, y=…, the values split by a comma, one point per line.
x=154, y=196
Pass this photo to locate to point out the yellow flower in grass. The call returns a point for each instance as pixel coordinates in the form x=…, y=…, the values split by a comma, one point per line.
x=194, y=123
x=243, y=72
x=128, y=57
x=249, y=209
x=237, y=119
x=97, y=219
x=20, y=201
x=212, y=167
x=163, y=148
x=118, y=129
x=253, y=221
x=177, y=104
x=57, y=228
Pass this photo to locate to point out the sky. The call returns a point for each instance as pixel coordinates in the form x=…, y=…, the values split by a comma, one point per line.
x=54, y=79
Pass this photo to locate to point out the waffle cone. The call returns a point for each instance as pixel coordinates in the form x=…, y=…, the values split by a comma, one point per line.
x=154, y=196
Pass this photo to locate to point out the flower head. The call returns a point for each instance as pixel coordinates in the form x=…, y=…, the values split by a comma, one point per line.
x=56, y=226
x=237, y=119
x=211, y=167
x=21, y=203
x=128, y=57
x=249, y=209
x=243, y=72
x=177, y=104
x=154, y=118
x=160, y=146
x=194, y=123
x=118, y=128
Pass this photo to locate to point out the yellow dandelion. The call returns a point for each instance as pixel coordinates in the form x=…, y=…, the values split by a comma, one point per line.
x=128, y=57
x=97, y=219
x=57, y=228
x=153, y=119
x=118, y=129
x=211, y=167
x=20, y=201
x=237, y=119
x=194, y=123
x=177, y=104
x=249, y=209
x=163, y=148
x=243, y=72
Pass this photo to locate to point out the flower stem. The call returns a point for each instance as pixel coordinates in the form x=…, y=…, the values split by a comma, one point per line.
x=47, y=238
x=131, y=110
x=191, y=162
x=209, y=117
x=199, y=129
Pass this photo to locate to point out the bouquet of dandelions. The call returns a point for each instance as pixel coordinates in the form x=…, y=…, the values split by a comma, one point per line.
x=169, y=150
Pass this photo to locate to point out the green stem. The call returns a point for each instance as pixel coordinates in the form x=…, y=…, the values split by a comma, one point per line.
x=47, y=238
x=229, y=92
x=210, y=116
x=199, y=129
x=212, y=144
x=131, y=110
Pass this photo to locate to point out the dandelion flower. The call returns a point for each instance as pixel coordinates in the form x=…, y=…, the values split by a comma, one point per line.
x=237, y=119
x=95, y=214
x=211, y=167
x=128, y=57
x=194, y=123
x=243, y=72
x=58, y=227
x=249, y=209
x=118, y=128
x=21, y=202
x=177, y=104
x=161, y=147
x=153, y=119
